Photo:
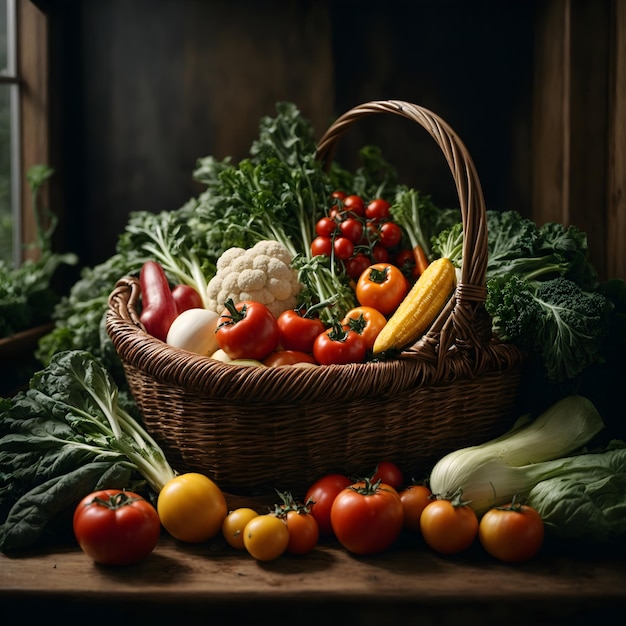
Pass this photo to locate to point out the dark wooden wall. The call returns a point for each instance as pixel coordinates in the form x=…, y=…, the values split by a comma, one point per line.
x=148, y=87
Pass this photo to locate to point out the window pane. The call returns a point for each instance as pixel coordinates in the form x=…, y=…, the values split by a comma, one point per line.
x=6, y=211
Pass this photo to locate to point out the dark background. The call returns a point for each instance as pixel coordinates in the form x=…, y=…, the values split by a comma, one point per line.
x=143, y=88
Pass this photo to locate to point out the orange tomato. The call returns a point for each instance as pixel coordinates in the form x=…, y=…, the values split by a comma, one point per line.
x=367, y=321
x=382, y=286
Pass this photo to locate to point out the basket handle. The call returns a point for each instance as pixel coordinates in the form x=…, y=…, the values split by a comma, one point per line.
x=458, y=322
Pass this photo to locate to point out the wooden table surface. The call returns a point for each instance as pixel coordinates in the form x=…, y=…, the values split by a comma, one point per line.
x=213, y=584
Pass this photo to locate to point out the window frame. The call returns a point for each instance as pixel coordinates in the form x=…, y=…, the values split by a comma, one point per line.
x=27, y=70
x=33, y=71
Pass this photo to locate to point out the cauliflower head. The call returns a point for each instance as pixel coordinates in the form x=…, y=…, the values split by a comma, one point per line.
x=262, y=273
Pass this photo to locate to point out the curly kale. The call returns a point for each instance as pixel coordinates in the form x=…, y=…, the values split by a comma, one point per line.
x=555, y=319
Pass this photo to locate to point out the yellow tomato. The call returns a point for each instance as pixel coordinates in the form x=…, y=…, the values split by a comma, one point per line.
x=266, y=537
x=234, y=525
x=192, y=508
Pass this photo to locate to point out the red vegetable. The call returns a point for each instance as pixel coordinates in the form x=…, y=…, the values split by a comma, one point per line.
x=116, y=527
x=339, y=345
x=186, y=297
x=320, y=497
x=367, y=517
x=247, y=330
x=158, y=305
x=298, y=329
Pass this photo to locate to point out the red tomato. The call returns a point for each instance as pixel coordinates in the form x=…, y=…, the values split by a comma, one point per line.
x=414, y=500
x=390, y=234
x=382, y=286
x=405, y=260
x=377, y=209
x=338, y=195
x=389, y=473
x=298, y=330
x=322, y=246
x=448, y=526
x=357, y=264
x=380, y=254
x=288, y=357
x=339, y=346
x=186, y=297
x=343, y=248
x=511, y=533
x=116, y=527
x=367, y=321
x=367, y=517
x=325, y=227
x=247, y=330
x=352, y=229
x=355, y=205
x=320, y=497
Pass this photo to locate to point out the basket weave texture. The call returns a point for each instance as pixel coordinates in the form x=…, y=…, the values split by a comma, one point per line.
x=256, y=429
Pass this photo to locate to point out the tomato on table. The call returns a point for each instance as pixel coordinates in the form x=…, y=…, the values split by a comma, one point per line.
x=367, y=321
x=116, y=527
x=382, y=286
x=192, y=507
x=303, y=528
x=234, y=525
x=367, y=517
x=449, y=526
x=511, y=533
x=266, y=537
x=415, y=498
x=320, y=497
x=338, y=345
x=247, y=330
x=389, y=473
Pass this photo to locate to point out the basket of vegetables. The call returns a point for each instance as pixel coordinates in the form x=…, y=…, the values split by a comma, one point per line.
x=434, y=379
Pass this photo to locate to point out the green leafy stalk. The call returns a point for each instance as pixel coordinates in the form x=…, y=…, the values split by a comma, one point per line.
x=68, y=424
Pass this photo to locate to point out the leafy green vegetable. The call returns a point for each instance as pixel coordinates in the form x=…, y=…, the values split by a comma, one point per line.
x=64, y=437
x=27, y=295
x=555, y=318
x=542, y=291
x=585, y=500
x=491, y=473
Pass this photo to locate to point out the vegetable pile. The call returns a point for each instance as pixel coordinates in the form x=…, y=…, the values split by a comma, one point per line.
x=281, y=263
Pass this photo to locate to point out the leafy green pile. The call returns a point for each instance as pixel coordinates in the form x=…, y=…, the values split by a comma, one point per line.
x=583, y=500
x=27, y=294
x=66, y=436
x=543, y=293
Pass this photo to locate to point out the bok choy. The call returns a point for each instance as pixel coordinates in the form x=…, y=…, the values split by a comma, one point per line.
x=492, y=473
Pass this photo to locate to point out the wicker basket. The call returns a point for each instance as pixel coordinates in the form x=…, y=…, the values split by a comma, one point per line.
x=256, y=429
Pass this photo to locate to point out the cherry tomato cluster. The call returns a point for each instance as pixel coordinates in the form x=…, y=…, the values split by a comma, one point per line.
x=361, y=233
x=290, y=528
